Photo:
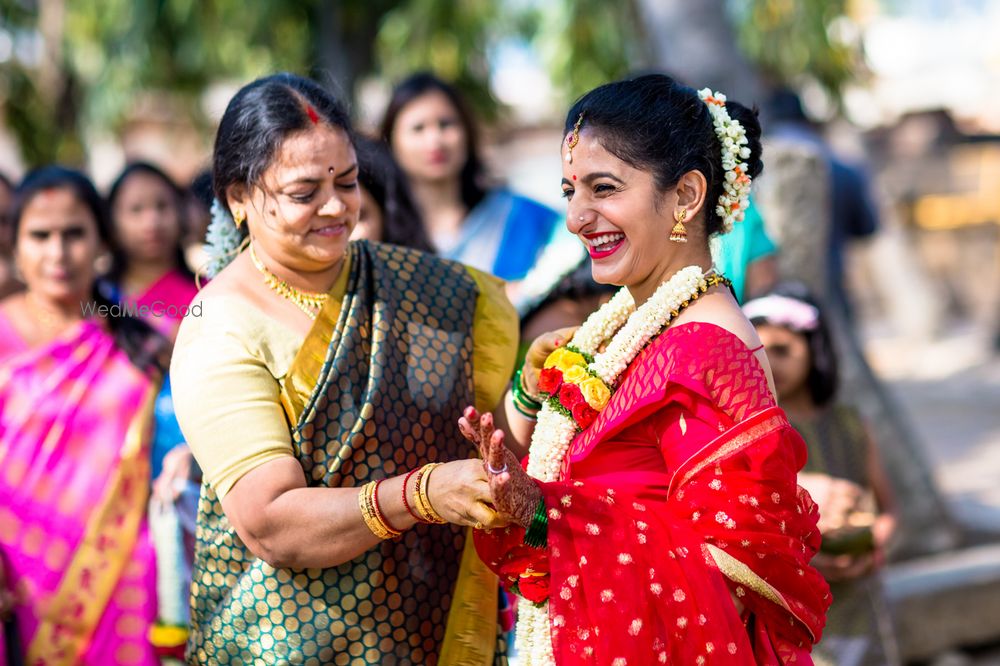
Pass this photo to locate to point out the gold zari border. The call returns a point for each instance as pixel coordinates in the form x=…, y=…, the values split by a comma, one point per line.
x=103, y=553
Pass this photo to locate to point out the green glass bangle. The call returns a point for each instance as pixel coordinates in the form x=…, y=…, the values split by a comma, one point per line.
x=521, y=394
x=525, y=401
x=537, y=534
x=530, y=414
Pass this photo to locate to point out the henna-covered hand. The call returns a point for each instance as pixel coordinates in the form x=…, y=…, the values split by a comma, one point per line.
x=515, y=494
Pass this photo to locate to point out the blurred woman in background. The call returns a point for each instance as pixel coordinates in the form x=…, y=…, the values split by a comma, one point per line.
x=76, y=400
x=148, y=213
x=433, y=137
x=844, y=474
x=148, y=267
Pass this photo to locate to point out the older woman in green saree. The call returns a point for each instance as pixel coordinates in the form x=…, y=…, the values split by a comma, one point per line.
x=320, y=392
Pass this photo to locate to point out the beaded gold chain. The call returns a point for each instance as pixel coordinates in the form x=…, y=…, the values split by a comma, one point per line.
x=308, y=302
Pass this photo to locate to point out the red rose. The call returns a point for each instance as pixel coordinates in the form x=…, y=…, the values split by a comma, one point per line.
x=534, y=588
x=584, y=415
x=549, y=380
x=570, y=396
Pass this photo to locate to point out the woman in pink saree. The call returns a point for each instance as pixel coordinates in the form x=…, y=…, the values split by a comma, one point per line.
x=76, y=397
x=148, y=268
x=658, y=520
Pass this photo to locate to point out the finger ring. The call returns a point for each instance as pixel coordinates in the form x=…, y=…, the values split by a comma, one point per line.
x=489, y=468
x=477, y=526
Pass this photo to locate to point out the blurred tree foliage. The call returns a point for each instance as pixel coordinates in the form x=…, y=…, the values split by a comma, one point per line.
x=81, y=66
x=96, y=57
x=452, y=39
x=587, y=43
x=798, y=41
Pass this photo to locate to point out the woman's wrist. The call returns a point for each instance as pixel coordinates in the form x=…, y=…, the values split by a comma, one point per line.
x=536, y=531
x=387, y=505
x=525, y=401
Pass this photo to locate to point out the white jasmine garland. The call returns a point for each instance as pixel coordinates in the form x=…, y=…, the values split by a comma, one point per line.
x=629, y=330
x=735, y=197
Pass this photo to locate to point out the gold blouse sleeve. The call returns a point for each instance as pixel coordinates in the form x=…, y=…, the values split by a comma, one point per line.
x=495, y=336
x=226, y=395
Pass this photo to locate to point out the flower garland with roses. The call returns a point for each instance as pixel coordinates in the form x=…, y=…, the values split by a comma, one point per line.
x=576, y=383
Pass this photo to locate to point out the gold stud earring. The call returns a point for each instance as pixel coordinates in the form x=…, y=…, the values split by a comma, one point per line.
x=239, y=217
x=679, y=234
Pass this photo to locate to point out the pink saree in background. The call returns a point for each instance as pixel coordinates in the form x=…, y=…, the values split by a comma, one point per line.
x=169, y=295
x=74, y=479
x=682, y=492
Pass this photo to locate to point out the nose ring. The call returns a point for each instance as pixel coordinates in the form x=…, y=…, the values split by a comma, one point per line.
x=580, y=218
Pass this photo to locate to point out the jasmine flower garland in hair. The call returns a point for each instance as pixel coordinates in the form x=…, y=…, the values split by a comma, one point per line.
x=735, y=197
x=222, y=240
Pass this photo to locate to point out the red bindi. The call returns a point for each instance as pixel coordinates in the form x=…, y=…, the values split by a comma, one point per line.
x=574, y=176
x=313, y=116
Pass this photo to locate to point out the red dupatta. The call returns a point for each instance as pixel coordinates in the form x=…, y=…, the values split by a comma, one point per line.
x=642, y=560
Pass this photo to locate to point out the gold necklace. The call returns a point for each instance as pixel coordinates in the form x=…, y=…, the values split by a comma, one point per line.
x=308, y=302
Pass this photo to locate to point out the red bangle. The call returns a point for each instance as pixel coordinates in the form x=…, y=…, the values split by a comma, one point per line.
x=406, y=502
x=378, y=510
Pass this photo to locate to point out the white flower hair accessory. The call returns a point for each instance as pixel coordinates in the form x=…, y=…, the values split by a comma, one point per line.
x=223, y=239
x=735, y=197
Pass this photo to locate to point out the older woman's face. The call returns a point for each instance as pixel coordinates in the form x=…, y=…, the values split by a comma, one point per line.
x=304, y=212
x=613, y=210
x=428, y=139
x=56, y=246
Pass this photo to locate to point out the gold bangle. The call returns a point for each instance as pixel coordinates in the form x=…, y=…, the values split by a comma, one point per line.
x=371, y=514
x=423, y=499
x=381, y=516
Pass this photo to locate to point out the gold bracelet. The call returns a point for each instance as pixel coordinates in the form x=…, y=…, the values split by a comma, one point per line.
x=371, y=515
x=423, y=499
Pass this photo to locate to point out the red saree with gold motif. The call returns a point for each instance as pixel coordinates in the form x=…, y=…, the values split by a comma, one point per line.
x=679, y=498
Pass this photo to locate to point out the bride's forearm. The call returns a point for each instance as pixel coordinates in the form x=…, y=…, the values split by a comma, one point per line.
x=516, y=427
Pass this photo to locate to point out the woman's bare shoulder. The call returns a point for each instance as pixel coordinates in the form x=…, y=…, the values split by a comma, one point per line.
x=722, y=310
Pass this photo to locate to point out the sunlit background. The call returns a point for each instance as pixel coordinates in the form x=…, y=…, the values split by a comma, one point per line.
x=910, y=89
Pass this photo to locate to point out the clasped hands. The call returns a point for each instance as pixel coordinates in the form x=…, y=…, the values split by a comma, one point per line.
x=515, y=494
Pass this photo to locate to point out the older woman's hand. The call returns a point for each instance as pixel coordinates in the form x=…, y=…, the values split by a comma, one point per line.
x=460, y=493
x=515, y=494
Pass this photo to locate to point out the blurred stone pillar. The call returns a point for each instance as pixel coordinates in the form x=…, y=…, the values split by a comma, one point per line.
x=793, y=196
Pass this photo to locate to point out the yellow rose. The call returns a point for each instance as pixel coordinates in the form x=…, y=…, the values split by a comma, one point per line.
x=570, y=359
x=552, y=360
x=575, y=374
x=595, y=392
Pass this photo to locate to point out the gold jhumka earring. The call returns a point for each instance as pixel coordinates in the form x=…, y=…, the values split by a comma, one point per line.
x=679, y=234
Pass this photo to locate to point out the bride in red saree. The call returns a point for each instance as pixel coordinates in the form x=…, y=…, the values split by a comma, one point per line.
x=663, y=522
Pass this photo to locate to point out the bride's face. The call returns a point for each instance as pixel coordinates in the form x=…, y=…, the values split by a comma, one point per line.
x=618, y=213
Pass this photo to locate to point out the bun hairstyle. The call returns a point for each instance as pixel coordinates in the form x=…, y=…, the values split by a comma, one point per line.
x=145, y=348
x=656, y=124
x=258, y=120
